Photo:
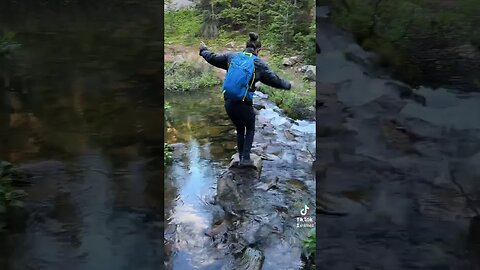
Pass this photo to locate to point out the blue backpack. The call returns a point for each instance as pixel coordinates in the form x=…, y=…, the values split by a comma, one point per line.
x=240, y=76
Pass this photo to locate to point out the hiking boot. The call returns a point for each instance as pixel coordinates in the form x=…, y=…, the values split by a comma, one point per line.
x=246, y=163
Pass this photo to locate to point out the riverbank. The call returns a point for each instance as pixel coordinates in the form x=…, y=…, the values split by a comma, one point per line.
x=395, y=181
x=297, y=103
x=183, y=29
x=418, y=42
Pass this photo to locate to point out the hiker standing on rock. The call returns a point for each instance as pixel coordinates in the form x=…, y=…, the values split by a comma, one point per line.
x=244, y=71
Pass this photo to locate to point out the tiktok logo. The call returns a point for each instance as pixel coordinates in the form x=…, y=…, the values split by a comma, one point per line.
x=304, y=211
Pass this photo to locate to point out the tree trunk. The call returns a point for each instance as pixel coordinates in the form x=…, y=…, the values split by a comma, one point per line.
x=286, y=27
x=258, y=18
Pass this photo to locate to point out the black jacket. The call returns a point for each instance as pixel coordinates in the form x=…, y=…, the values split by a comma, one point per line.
x=263, y=73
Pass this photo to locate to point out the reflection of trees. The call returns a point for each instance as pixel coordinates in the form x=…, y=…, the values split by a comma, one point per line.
x=87, y=78
x=200, y=116
x=8, y=46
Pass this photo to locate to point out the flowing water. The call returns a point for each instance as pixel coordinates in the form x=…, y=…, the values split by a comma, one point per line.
x=203, y=139
x=400, y=164
x=81, y=112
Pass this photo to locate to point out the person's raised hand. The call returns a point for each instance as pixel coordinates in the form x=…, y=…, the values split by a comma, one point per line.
x=257, y=86
x=202, y=46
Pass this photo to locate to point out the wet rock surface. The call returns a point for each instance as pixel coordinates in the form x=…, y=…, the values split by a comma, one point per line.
x=264, y=193
x=74, y=218
x=396, y=184
x=249, y=215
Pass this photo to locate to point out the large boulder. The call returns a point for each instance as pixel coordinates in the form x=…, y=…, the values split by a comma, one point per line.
x=251, y=259
x=311, y=72
x=257, y=161
x=291, y=61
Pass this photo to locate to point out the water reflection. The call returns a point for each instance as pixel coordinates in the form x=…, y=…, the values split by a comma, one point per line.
x=194, y=179
x=410, y=153
x=83, y=114
x=204, y=129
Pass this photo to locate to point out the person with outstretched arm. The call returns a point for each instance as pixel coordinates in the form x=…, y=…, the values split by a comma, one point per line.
x=244, y=71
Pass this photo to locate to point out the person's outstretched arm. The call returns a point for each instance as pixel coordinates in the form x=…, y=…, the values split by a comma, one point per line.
x=217, y=60
x=270, y=78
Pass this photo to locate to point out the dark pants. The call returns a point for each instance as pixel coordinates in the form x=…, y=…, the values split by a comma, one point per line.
x=243, y=117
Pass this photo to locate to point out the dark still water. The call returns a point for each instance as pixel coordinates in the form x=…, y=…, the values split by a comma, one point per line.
x=400, y=164
x=198, y=127
x=81, y=111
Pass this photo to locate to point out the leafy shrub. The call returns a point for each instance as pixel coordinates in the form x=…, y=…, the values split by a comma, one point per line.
x=167, y=155
x=9, y=197
x=310, y=243
x=182, y=26
x=187, y=76
x=7, y=44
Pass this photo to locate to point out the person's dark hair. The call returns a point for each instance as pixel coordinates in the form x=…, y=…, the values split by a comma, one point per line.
x=253, y=42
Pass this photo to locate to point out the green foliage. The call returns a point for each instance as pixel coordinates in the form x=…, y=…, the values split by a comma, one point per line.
x=182, y=26
x=310, y=243
x=286, y=25
x=397, y=21
x=298, y=103
x=281, y=27
x=9, y=197
x=289, y=19
x=295, y=105
x=167, y=155
x=398, y=30
x=188, y=76
x=306, y=44
x=354, y=15
x=394, y=58
x=224, y=37
x=285, y=28
x=247, y=14
x=7, y=44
